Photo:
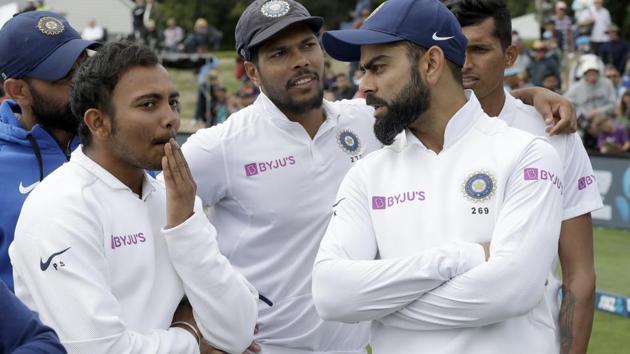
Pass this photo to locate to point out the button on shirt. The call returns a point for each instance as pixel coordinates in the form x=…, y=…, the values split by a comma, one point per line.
x=271, y=188
x=94, y=260
x=402, y=247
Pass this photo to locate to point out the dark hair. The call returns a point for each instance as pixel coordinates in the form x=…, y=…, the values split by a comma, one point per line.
x=473, y=12
x=415, y=52
x=93, y=84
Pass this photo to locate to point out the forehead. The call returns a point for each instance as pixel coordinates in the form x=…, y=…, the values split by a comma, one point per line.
x=292, y=34
x=386, y=51
x=481, y=32
x=143, y=80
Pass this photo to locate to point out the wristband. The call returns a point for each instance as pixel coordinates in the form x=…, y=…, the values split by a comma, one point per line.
x=190, y=328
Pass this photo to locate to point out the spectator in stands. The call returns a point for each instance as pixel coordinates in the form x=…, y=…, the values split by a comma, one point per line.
x=343, y=88
x=137, y=14
x=598, y=18
x=203, y=35
x=611, y=138
x=592, y=95
x=207, y=78
x=94, y=32
x=551, y=81
x=563, y=24
x=542, y=63
x=220, y=105
x=524, y=58
x=151, y=13
x=20, y=329
x=623, y=110
x=552, y=37
x=152, y=35
x=616, y=50
x=173, y=35
x=511, y=80
x=544, y=9
x=329, y=76
x=43, y=6
x=612, y=74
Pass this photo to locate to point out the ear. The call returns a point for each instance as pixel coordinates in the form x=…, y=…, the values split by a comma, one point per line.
x=434, y=65
x=511, y=54
x=252, y=72
x=99, y=124
x=18, y=91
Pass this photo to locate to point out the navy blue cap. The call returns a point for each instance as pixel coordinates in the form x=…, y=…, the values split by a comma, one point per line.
x=264, y=19
x=426, y=23
x=39, y=45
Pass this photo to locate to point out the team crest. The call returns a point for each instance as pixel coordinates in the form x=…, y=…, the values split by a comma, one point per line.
x=480, y=186
x=349, y=142
x=50, y=26
x=275, y=8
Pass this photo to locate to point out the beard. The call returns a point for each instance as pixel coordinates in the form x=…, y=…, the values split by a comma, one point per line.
x=285, y=103
x=410, y=104
x=52, y=115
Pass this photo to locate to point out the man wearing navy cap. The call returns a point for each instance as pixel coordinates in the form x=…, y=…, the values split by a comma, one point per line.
x=403, y=246
x=40, y=52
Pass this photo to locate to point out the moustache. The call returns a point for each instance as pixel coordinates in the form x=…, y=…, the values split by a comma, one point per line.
x=300, y=75
x=165, y=138
x=372, y=100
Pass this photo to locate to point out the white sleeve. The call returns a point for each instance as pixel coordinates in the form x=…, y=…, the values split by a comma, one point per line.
x=204, y=152
x=350, y=285
x=223, y=302
x=523, y=246
x=77, y=301
x=581, y=194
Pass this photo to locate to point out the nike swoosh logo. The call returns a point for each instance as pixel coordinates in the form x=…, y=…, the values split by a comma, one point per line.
x=45, y=265
x=27, y=189
x=438, y=38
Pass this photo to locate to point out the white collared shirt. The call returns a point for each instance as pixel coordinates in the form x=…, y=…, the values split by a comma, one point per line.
x=95, y=261
x=401, y=250
x=271, y=188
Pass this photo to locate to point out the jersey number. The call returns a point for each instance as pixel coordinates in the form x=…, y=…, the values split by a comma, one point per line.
x=479, y=210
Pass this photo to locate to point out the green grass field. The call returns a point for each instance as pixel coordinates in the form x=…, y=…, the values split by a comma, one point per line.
x=611, y=333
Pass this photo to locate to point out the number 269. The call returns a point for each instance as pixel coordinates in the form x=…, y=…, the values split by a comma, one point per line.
x=480, y=210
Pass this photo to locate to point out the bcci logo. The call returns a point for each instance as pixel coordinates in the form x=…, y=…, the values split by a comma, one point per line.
x=349, y=142
x=50, y=26
x=480, y=186
x=275, y=8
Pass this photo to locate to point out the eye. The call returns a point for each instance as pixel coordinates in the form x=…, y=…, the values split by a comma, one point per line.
x=148, y=105
x=377, y=68
x=278, y=54
x=175, y=105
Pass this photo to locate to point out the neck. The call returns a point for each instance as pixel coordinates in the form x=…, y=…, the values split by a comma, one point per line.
x=130, y=176
x=311, y=120
x=493, y=103
x=431, y=125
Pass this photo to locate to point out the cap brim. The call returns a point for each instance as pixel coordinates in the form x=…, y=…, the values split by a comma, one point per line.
x=59, y=63
x=315, y=22
x=345, y=45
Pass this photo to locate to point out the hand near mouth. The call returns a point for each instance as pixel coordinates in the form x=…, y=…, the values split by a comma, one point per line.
x=180, y=186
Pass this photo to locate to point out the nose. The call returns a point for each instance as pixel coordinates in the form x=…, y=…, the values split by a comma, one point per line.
x=367, y=84
x=170, y=118
x=299, y=59
x=467, y=63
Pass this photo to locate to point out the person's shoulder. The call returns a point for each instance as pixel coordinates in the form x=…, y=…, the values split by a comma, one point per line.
x=355, y=108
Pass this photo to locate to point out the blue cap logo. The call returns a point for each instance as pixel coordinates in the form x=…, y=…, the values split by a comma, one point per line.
x=50, y=26
x=275, y=8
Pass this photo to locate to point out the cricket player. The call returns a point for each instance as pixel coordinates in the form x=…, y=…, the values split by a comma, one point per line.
x=450, y=178
x=270, y=174
x=488, y=28
x=103, y=251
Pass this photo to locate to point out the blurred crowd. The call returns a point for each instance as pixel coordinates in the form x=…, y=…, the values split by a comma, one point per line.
x=580, y=54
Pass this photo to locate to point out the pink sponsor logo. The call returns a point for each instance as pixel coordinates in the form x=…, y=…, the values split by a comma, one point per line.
x=384, y=202
x=254, y=168
x=585, y=181
x=127, y=240
x=530, y=174
x=535, y=174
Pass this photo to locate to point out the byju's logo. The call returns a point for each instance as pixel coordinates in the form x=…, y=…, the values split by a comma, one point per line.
x=535, y=174
x=255, y=168
x=585, y=181
x=384, y=202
